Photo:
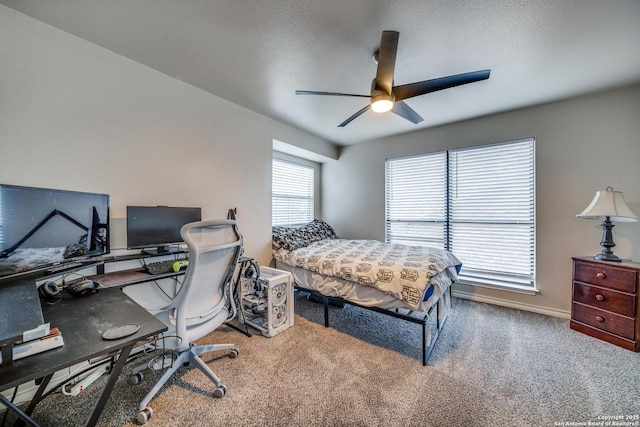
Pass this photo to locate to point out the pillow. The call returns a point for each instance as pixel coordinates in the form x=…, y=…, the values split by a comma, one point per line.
x=291, y=238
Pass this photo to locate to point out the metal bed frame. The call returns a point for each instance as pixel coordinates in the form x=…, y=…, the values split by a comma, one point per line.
x=412, y=316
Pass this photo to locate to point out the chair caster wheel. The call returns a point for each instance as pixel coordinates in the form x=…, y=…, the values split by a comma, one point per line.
x=144, y=415
x=234, y=353
x=136, y=378
x=220, y=391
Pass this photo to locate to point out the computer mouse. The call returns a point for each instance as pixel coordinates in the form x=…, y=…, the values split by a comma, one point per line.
x=82, y=288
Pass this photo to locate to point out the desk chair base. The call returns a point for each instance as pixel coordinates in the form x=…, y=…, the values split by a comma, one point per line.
x=190, y=356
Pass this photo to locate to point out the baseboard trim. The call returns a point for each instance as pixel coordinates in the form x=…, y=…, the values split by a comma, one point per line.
x=511, y=304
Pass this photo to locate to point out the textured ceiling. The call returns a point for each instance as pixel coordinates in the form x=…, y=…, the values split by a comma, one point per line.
x=257, y=53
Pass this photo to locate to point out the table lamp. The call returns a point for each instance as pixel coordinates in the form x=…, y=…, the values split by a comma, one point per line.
x=607, y=206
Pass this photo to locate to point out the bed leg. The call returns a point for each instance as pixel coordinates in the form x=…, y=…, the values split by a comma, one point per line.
x=424, y=344
x=445, y=312
x=432, y=345
x=426, y=352
x=326, y=312
x=438, y=312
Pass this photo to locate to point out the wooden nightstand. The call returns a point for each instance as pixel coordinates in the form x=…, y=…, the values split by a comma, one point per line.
x=606, y=301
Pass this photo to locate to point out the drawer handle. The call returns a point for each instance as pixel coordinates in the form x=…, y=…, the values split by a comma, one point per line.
x=601, y=275
x=600, y=297
x=600, y=319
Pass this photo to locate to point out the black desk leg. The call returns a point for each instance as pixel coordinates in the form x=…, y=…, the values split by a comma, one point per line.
x=23, y=417
x=106, y=391
x=7, y=353
x=38, y=396
x=34, y=401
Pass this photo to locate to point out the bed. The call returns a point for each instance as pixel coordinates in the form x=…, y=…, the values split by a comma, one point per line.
x=406, y=282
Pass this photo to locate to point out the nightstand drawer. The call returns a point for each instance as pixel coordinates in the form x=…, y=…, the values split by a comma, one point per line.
x=605, y=275
x=604, y=320
x=605, y=299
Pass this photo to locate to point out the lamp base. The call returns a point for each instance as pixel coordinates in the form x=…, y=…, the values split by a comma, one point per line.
x=607, y=243
x=607, y=257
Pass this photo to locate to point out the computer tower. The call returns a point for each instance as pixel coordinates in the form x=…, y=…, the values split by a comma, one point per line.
x=267, y=301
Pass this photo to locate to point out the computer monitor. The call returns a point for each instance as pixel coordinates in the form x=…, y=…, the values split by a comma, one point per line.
x=156, y=229
x=40, y=227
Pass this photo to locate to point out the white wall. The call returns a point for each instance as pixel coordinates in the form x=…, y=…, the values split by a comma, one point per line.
x=76, y=116
x=582, y=145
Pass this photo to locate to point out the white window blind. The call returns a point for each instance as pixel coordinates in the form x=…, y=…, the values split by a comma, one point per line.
x=482, y=202
x=291, y=193
x=416, y=200
x=491, y=212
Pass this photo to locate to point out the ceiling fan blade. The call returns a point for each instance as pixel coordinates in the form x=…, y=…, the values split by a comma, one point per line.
x=404, y=111
x=311, y=92
x=387, y=61
x=355, y=116
x=420, y=88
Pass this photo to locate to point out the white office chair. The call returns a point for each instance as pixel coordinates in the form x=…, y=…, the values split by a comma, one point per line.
x=200, y=305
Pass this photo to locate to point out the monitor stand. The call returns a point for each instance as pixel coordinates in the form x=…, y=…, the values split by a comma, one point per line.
x=162, y=250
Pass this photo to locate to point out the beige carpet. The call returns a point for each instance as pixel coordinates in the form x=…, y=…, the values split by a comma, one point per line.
x=492, y=366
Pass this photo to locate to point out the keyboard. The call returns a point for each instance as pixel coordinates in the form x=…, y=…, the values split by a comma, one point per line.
x=159, y=267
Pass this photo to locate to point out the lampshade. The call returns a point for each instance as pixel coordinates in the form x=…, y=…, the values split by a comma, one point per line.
x=610, y=204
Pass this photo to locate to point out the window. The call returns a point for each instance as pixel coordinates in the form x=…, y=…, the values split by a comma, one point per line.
x=477, y=202
x=291, y=193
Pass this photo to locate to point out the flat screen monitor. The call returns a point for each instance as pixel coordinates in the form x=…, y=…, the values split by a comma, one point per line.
x=40, y=227
x=156, y=229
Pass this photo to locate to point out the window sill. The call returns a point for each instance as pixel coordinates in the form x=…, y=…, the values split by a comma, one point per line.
x=527, y=290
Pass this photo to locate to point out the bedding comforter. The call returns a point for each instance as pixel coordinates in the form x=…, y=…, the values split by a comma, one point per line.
x=402, y=271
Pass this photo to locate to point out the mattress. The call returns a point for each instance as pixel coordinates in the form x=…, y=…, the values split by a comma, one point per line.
x=365, y=295
x=401, y=271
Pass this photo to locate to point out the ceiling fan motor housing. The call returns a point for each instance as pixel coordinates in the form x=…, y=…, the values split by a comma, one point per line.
x=381, y=102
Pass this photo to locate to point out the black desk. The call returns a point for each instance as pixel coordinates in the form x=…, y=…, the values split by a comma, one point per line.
x=82, y=322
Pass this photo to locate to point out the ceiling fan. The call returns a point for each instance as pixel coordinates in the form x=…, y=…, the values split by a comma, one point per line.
x=386, y=97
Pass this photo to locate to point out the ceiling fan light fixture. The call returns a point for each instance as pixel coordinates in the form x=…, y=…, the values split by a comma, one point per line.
x=382, y=103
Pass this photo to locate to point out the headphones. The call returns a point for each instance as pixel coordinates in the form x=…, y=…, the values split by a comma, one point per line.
x=252, y=269
x=82, y=288
x=252, y=273
x=49, y=291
